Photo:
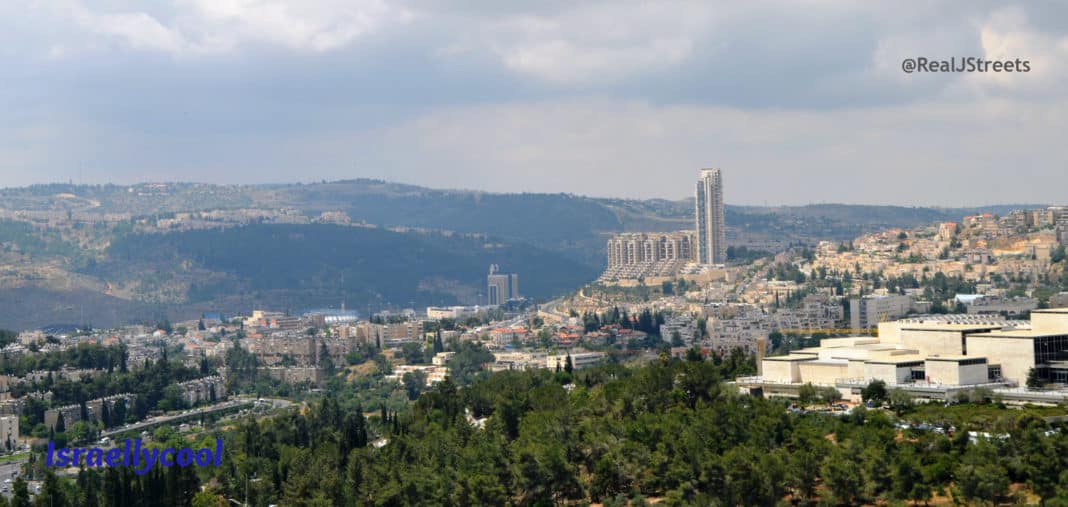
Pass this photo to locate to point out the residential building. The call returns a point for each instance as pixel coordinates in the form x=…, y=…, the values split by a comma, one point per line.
x=295, y=374
x=518, y=360
x=710, y=221
x=454, y=312
x=9, y=431
x=579, y=360
x=684, y=325
x=634, y=255
x=434, y=373
x=1058, y=216
x=442, y=358
x=946, y=231
x=1001, y=305
x=93, y=409
x=203, y=390
x=868, y=311
x=501, y=287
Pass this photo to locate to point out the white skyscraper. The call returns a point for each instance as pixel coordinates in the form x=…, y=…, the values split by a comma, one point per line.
x=711, y=228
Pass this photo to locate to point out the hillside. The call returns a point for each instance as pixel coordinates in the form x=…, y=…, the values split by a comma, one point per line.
x=299, y=266
x=175, y=249
x=575, y=226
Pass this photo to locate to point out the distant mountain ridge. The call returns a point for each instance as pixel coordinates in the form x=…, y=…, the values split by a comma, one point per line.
x=61, y=240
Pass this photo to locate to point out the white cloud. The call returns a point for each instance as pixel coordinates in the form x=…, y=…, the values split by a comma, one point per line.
x=927, y=153
x=137, y=29
x=595, y=42
x=214, y=26
x=318, y=25
x=797, y=102
x=1008, y=35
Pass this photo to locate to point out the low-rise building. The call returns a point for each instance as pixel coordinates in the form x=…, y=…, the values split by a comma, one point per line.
x=868, y=311
x=295, y=374
x=684, y=326
x=579, y=360
x=203, y=390
x=518, y=360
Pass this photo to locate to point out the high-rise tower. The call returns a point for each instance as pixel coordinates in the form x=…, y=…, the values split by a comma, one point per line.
x=711, y=228
x=501, y=287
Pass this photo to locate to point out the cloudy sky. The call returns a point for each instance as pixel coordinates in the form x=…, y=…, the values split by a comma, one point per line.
x=798, y=102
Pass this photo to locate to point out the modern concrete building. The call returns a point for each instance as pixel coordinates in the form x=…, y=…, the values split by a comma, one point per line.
x=868, y=311
x=630, y=248
x=710, y=221
x=294, y=374
x=93, y=410
x=501, y=287
x=9, y=431
x=684, y=325
x=933, y=355
x=1002, y=305
x=640, y=255
x=579, y=360
x=518, y=361
x=203, y=390
x=454, y=312
x=1044, y=347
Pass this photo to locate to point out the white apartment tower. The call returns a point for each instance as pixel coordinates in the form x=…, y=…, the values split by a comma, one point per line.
x=711, y=228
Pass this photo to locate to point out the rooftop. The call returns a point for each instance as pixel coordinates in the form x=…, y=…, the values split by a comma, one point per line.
x=953, y=358
x=910, y=358
x=790, y=358
x=1018, y=333
x=830, y=362
x=951, y=326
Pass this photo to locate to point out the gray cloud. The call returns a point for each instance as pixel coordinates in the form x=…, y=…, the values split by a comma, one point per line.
x=798, y=102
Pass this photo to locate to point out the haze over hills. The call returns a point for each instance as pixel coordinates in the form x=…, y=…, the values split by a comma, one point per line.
x=107, y=254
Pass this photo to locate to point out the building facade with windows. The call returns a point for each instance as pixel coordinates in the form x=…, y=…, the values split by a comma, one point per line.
x=710, y=221
x=501, y=287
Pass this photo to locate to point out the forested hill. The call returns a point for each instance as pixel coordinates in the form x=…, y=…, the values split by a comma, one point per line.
x=670, y=431
x=576, y=226
x=297, y=266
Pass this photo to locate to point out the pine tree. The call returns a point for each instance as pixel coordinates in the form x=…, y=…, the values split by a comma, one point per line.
x=89, y=487
x=105, y=415
x=51, y=494
x=119, y=417
x=21, y=493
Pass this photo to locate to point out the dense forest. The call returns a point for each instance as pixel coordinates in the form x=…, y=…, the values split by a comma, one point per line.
x=312, y=265
x=671, y=430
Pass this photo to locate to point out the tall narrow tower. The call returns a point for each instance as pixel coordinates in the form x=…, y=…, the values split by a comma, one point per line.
x=711, y=228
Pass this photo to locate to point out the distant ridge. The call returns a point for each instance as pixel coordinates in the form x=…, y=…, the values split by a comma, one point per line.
x=445, y=238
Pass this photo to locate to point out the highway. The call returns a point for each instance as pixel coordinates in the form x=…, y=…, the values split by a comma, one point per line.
x=8, y=471
x=194, y=413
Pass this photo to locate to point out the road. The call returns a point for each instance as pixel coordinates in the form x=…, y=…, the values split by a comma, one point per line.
x=194, y=413
x=8, y=471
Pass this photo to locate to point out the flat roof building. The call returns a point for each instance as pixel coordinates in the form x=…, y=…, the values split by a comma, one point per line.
x=951, y=351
